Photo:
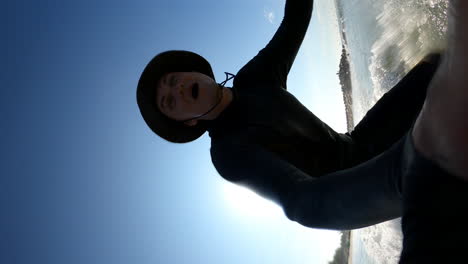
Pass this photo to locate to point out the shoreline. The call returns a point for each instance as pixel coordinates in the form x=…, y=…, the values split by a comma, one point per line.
x=344, y=75
x=342, y=254
x=344, y=71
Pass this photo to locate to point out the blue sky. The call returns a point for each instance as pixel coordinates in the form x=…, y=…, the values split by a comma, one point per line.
x=85, y=181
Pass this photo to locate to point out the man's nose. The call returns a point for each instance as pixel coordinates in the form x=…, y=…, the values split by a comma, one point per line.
x=182, y=92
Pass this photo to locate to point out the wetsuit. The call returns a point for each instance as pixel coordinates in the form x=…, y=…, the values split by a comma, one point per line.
x=435, y=211
x=268, y=141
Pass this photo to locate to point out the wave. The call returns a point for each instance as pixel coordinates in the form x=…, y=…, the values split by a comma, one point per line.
x=409, y=30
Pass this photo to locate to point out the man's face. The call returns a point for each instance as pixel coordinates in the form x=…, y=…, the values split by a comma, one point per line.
x=185, y=95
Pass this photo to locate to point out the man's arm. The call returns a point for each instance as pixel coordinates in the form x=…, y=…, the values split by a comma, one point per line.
x=344, y=200
x=276, y=59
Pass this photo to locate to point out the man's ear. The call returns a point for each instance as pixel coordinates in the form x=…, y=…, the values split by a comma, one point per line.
x=192, y=122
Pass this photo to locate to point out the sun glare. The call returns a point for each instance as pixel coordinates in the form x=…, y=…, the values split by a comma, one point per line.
x=312, y=243
x=248, y=203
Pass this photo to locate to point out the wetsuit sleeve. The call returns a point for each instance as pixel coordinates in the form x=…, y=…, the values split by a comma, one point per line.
x=340, y=201
x=274, y=61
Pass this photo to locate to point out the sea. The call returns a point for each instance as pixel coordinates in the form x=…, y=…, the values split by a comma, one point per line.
x=383, y=40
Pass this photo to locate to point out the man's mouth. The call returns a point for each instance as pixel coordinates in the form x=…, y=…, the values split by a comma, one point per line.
x=195, y=90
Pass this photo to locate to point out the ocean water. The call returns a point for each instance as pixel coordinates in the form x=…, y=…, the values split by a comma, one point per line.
x=384, y=39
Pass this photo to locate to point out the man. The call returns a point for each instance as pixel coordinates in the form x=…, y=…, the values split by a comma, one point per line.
x=262, y=137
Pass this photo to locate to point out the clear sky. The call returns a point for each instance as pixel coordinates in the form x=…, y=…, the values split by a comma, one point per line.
x=85, y=181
